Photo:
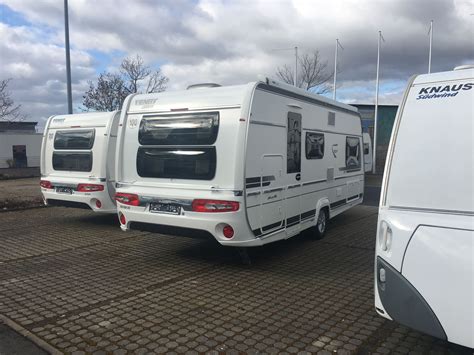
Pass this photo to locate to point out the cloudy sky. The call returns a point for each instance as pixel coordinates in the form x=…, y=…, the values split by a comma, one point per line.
x=226, y=41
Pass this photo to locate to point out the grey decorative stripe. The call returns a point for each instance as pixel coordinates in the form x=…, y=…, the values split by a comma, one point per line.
x=314, y=182
x=337, y=204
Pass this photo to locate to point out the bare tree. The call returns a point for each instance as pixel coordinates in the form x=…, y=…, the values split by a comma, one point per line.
x=134, y=71
x=8, y=110
x=312, y=74
x=112, y=88
x=107, y=95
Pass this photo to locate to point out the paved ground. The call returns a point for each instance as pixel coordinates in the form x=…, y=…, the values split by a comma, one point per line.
x=78, y=284
x=19, y=193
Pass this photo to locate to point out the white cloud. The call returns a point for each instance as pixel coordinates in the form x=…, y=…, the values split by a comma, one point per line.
x=232, y=41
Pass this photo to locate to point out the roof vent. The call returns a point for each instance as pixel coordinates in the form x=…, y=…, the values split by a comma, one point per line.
x=468, y=66
x=203, y=85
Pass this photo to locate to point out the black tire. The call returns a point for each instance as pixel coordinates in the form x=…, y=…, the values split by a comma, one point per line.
x=319, y=230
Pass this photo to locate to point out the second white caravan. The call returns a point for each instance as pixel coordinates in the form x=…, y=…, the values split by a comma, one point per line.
x=250, y=164
x=78, y=160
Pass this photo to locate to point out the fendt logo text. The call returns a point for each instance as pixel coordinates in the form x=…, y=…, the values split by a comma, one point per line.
x=436, y=92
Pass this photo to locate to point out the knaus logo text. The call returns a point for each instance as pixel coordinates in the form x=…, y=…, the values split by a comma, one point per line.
x=436, y=92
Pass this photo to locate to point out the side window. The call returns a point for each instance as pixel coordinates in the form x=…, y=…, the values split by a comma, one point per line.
x=314, y=145
x=352, y=152
x=293, y=143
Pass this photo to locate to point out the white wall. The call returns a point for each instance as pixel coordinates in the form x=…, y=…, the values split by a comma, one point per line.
x=32, y=141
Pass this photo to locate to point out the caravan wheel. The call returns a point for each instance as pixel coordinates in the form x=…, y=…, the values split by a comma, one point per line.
x=321, y=224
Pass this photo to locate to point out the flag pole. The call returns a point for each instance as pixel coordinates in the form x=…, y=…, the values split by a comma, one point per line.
x=68, y=59
x=376, y=103
x=296, y=67
x=431, y=45
x=335, y=71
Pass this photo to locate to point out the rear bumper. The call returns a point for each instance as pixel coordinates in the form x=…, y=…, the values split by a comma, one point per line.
x=78, y=199
x=211, y=223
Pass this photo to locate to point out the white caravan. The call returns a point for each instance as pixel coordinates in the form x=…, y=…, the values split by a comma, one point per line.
x=368, y=154
x=250, y=164
x=77, y=160
x=425, y=236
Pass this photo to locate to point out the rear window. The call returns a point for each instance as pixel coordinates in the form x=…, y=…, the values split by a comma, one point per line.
x=64, y=161
x=191, y=129
x=177, y=163
x=83, y=139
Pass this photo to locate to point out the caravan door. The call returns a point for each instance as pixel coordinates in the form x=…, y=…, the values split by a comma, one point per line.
x=271, y=200
x=293, y=171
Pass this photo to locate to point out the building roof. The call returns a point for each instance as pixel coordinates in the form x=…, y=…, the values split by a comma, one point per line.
x=6, y=126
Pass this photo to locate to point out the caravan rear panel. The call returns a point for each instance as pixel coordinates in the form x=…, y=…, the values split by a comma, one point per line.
x=77, y=161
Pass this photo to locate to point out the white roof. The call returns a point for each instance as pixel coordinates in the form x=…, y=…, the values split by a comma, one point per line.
x=214, y=97
x=445, y=76
x=87, y=119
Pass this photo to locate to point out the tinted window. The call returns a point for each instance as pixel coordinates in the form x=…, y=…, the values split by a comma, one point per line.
x=293, y=143
x=72, y=161
x=177, y=163
x=366, y=148
x=352, y=152
x=314, y=145
x=192, y=129
x=74, y=139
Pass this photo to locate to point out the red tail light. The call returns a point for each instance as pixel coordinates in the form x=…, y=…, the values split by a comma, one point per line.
x=127, y=199
x=215, y=206
x=228, y=232
x=90, y=187
x=46, y=184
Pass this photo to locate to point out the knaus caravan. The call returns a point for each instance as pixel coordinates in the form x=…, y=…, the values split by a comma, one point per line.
x=77, y=160
x=424, y=275
x=250, y=164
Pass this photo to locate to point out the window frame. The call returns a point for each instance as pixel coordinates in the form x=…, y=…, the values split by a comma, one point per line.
x=306, y=145
x=62, y=152
x=359, y=165
x=212, y=170
x=91, y=139
x=214, y=115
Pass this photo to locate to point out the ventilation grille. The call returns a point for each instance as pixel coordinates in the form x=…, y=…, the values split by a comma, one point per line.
x=331, y=118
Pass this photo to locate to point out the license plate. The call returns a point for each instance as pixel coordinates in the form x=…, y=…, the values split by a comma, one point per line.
x=64, y=190
x=167, y=208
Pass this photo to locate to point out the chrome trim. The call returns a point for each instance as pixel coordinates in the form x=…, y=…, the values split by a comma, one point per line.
x=431, y=210
x=267, y=124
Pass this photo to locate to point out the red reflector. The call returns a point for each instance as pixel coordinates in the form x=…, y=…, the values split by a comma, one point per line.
x=89, y=187
x=228, y=231
x=98, y=204
x=127, y=199
x=202, y=205
x=46, y=184
x=122, y=218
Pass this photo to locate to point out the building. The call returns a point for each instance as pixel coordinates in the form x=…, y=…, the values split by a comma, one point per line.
x=386, y=118
x=20, y=145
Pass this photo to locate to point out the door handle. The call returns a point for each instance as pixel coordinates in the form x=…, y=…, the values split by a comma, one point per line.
x=298, y=177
